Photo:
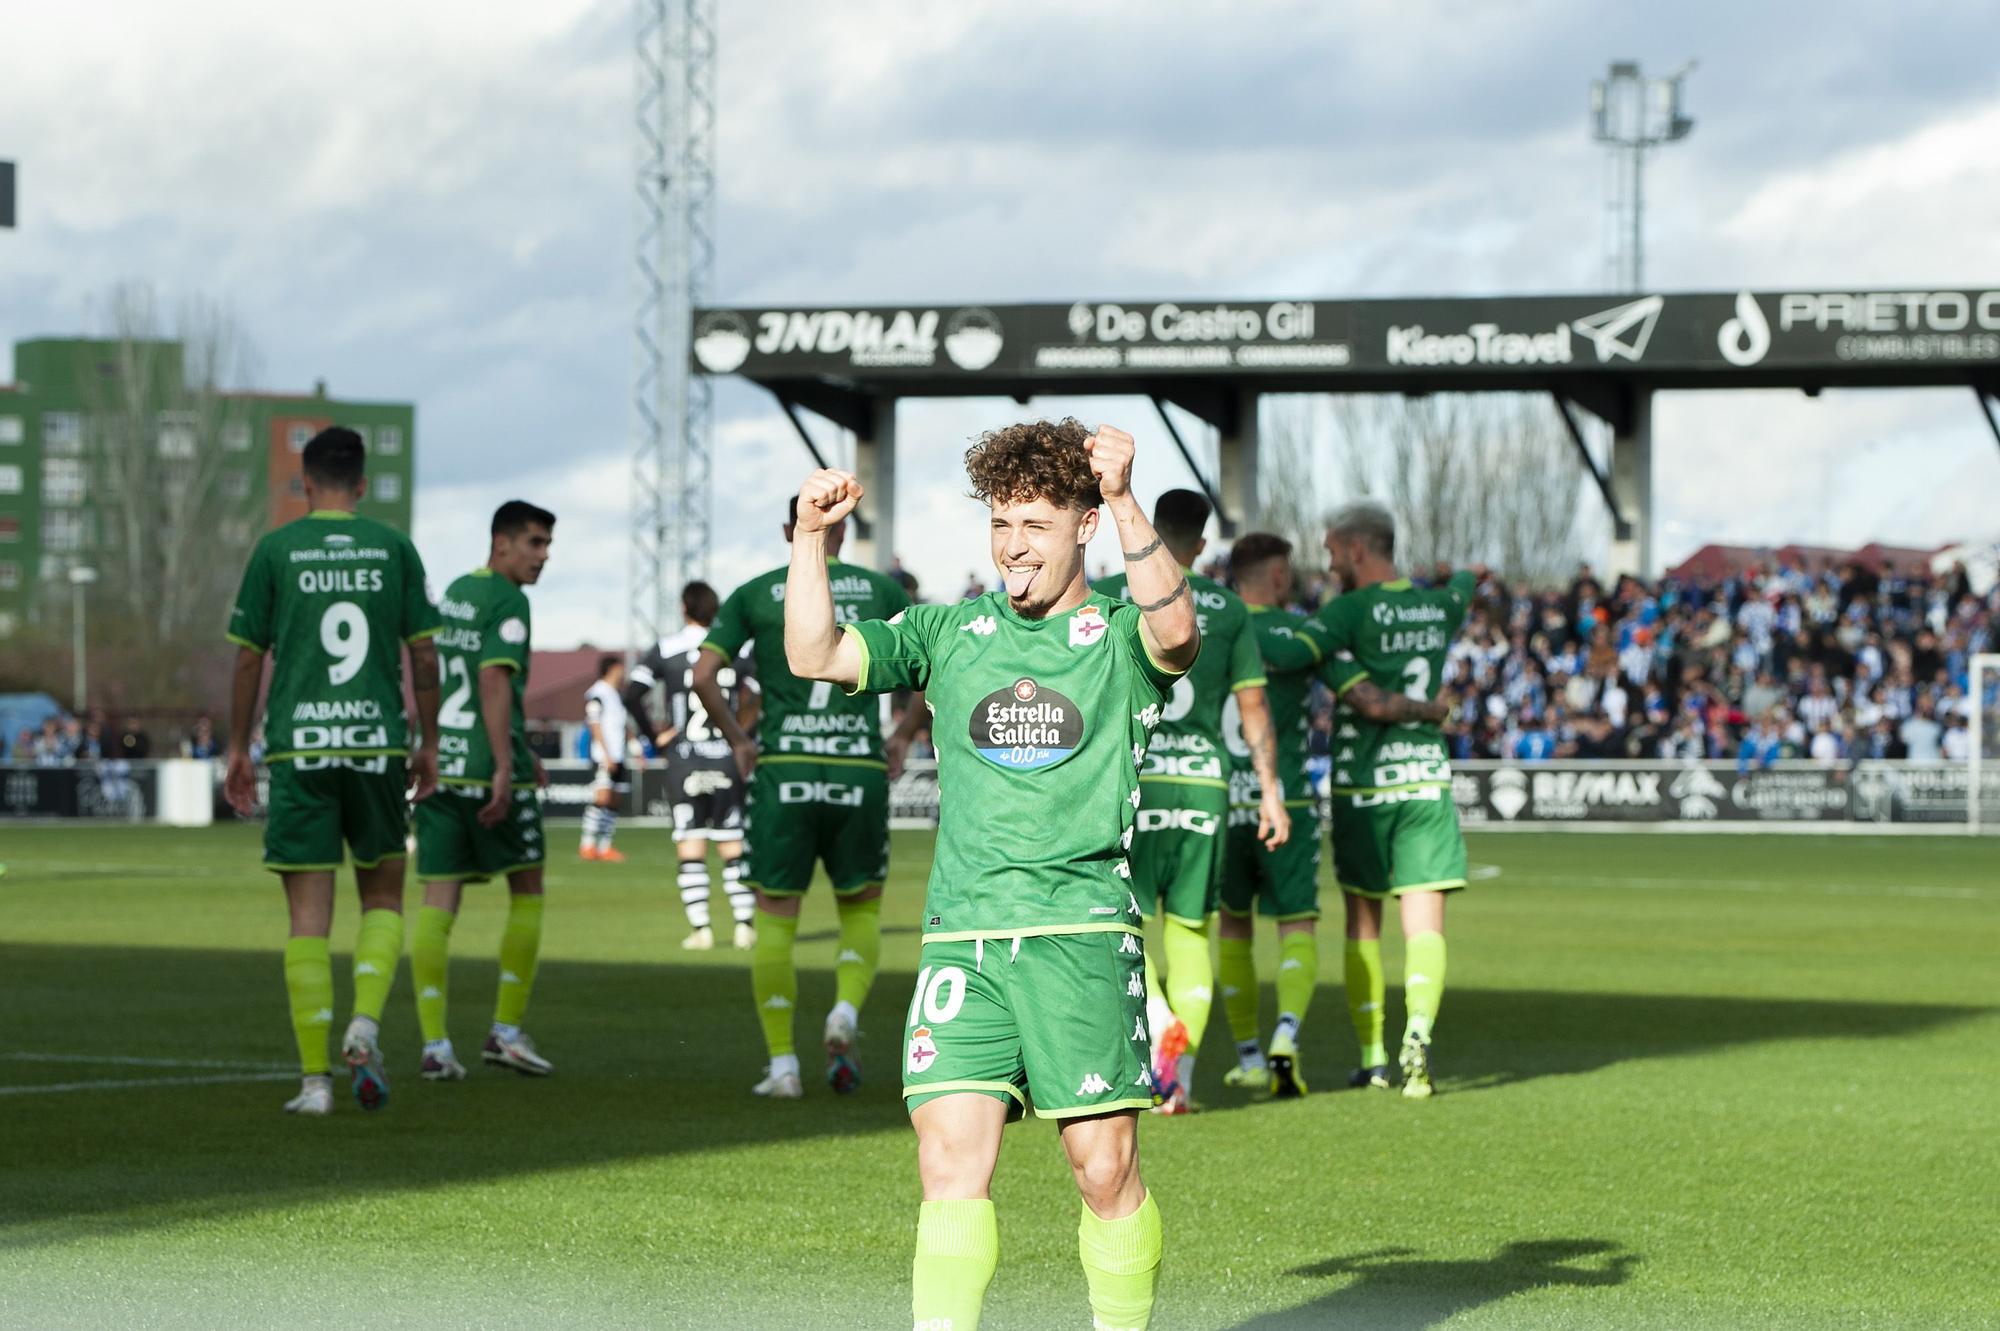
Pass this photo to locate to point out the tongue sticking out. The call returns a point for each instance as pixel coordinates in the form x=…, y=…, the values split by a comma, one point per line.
x=1018, y=580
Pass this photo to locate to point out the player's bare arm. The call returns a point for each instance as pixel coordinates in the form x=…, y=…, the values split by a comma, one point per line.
x=1274, y=821
x=707, y=687
x=896, y=748
x=239, y=782
x=425, y=687
x=815, y=647
x=1168, y=623
x=1373, y=703
x=496, y=713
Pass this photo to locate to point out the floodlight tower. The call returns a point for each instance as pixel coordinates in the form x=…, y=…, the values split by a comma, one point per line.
x=674, y=112
x=1631, y=114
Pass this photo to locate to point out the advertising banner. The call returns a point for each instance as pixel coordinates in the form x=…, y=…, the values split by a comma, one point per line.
x=1662, y=333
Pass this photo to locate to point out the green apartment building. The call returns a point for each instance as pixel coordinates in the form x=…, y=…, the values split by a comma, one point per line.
x=73, y=405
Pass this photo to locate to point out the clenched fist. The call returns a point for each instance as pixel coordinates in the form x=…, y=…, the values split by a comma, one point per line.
x=1110, y=450
x=827, y=497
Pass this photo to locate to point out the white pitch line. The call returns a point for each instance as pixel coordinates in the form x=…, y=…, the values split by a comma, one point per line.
x=1922, y=890
x=146, y=1081
x=130, y=1061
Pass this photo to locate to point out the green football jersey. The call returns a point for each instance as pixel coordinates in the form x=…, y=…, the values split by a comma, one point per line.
x=1189, y=746
x=1395, y=635
x=1290, y=647
x=807, y=720
x=1041, y=726
x=486, y=623
x=333, y=598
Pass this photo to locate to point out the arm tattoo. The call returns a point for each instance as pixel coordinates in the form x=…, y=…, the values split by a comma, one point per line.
x=1134, y=556
x=1180, y=590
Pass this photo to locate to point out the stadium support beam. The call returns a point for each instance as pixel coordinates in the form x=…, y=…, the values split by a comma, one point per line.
x=1632, y=485
x=1236, y=450
x=1987, y=397
x=874, y=542
x=1621, y=528
x=1187, y=456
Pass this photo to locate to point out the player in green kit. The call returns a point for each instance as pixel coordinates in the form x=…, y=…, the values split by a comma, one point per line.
x=1283, y=882
x=818, y=774
x=485, y=820
x=331, y=600
x=1395, y=828
x=1177, y=851
x=1031, y=989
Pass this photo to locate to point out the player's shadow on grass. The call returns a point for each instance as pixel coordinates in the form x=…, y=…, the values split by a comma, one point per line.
x=652, y=1060
x=833, y=935
x=1393, y=1289
x=1496, y=1037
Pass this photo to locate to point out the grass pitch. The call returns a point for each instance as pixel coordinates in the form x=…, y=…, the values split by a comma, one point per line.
x=1685, y=1081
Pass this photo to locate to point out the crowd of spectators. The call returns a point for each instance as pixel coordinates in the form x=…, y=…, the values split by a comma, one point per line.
x=66, y=741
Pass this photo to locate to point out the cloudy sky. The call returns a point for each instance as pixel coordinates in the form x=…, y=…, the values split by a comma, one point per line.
x=432, y=203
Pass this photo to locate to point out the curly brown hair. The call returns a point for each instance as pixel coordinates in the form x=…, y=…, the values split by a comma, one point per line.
x=1034, y=460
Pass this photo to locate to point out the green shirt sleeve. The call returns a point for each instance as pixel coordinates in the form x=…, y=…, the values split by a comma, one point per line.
x=896, y=652
x=506, y=634
x=420, y=616
x=1125, y=621
x=731, y=628
x=1246, y=663
x=250, y=621
x=1289, y=648
x=1341, y=671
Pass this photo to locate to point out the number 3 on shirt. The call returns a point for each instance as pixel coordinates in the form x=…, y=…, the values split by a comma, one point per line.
x=343, y=631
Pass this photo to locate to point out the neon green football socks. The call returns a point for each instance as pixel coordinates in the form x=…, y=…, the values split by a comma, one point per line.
x=1298, y=974
x=1236, y=969
x=860, y=950
x=309, y=984
x=1366, y=992
x=1423, y=982
x=958, y=1246
x=774, y=980
x=1121, y=1263
x=430, y=965
x=378, y=950
x=1190, y=976
x=520, y=954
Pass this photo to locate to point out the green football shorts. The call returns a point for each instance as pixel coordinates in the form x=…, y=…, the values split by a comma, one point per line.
x=1177, y=845
x=1053, y=1020
x=452, y=845
x=1281, y=884
x=1411, y=844
x=802, y=812
x=322, y=808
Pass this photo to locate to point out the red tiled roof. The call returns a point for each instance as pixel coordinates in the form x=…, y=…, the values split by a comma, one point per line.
x=557, y=680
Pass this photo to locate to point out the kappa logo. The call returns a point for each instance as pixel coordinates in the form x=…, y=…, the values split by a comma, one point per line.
x=1623, y=330
x=367, y=968
x=1139, y=1030
x=1093, y=1085
x=431, y=991
x=1130, y=944
x=1135, y=987
x=1086, y=626
x=777, y=1002
x=1144, y=1079
x=508, y=977
x=984, y=626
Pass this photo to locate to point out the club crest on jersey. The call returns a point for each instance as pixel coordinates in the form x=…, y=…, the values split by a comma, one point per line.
x=923, y=1049
x=1026, y=726
x=1086, y=626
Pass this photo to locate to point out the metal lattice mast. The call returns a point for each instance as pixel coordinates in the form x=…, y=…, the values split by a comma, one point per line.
x=698, y=212
x=1632, y=114
x=651, y=481
x=674, y=111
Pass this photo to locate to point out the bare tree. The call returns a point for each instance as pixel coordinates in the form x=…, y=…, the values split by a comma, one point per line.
x=1487, y=477
x=171, y=539
x=1293, y=433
